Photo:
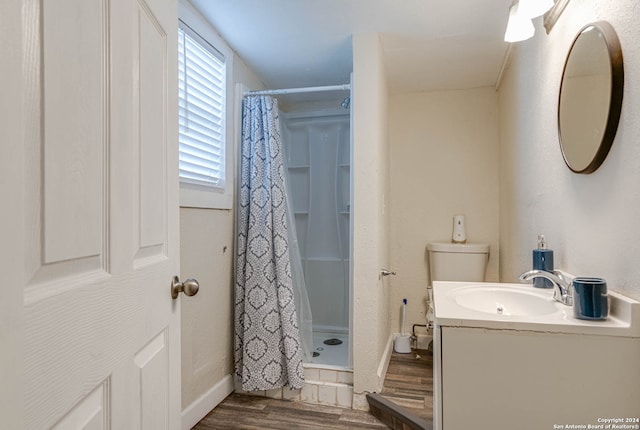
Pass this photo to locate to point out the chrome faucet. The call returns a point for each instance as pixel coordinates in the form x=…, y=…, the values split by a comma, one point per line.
x=562, y=284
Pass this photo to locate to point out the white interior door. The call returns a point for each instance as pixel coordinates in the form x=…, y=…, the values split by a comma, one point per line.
x=94, y=195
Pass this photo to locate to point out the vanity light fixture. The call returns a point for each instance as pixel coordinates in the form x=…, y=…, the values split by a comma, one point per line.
x=521, y=13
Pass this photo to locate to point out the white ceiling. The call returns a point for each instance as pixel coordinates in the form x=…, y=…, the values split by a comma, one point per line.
x=427, y=44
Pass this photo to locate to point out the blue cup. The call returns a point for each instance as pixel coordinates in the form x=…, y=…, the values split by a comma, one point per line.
x=590, y=301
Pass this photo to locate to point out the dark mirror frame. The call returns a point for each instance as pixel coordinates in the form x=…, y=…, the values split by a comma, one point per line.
x=615, y=101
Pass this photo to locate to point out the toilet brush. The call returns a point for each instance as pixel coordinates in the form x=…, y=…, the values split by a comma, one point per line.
x=402, y=343
x=404, y=314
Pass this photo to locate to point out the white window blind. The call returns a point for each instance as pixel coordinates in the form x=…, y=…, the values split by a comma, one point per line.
x=201, y=137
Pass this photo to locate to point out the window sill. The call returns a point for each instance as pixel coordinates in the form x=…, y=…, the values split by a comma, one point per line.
x=197, y=196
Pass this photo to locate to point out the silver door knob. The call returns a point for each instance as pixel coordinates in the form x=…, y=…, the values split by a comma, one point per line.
x=190, y=287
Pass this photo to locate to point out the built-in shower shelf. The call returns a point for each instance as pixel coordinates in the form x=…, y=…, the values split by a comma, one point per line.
x=317, y=149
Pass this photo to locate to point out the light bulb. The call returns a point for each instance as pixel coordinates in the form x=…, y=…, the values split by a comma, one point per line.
x=533, y=8
x=519, y=27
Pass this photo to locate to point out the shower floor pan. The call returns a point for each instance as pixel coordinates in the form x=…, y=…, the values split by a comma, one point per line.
x=328, y=351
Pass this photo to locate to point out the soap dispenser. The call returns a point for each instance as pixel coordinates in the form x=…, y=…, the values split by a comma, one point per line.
x=542, y=260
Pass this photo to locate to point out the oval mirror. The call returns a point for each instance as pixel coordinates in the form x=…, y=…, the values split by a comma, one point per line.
x=590, y=97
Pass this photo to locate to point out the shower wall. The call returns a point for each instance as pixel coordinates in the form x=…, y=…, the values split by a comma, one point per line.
x=317, y=156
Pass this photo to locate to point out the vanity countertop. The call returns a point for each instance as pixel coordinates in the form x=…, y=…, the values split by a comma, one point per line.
x=450, y=310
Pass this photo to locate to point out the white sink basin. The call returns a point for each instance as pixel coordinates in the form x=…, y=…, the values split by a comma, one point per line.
x=475, y=305
x=499, y=300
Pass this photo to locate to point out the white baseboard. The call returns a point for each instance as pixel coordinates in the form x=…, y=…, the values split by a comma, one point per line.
x=384, y=362
x=209, y=400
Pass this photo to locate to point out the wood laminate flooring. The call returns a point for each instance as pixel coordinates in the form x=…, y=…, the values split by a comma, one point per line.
x=408, y=383
x=260, y=413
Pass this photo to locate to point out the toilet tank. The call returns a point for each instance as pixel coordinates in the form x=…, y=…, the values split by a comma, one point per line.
x=458, y=261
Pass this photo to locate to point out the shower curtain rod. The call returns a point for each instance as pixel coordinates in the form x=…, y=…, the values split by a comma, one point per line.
x=299, y=90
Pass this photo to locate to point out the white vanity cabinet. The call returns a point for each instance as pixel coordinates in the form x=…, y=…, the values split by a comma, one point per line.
x=526, y=373
x=503, y=379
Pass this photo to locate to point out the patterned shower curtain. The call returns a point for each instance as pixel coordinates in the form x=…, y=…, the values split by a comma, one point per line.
x=268, y=349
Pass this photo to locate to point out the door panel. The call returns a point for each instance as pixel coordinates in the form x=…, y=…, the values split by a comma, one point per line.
x=152, y=362
x=66, y=143
x=91, y=413
x=101, y=332
x=151, y=61
x=74, y=123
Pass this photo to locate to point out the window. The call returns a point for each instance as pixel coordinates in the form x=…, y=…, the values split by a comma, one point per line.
x=201, y=116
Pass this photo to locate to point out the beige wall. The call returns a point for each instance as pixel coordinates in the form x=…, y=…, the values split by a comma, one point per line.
x=590, y=221
x=444, y=162
x=206, y=237
x=370, y=214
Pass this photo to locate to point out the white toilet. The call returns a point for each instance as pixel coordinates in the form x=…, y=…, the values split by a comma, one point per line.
x=455, y=262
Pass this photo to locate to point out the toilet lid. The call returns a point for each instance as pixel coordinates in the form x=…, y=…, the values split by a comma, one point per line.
x=469, y=248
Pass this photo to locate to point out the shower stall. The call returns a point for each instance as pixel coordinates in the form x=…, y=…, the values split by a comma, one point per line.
x=316, y=139
x=318, y=159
